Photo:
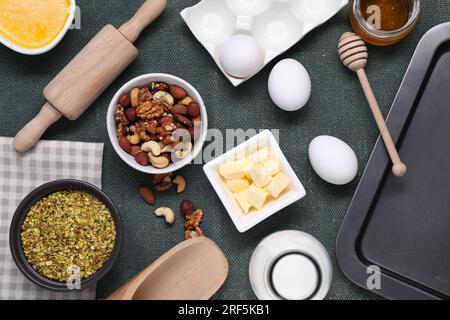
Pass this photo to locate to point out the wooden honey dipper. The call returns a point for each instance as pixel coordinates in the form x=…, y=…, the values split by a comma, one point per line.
x=353, y=53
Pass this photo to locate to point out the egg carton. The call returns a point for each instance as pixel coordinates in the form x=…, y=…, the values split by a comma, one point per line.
x=275, y=24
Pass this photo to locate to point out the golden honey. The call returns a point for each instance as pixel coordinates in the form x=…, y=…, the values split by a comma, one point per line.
x=33, y=23
x=384, y=22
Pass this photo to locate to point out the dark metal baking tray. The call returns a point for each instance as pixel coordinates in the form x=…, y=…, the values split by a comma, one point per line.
x=402, y=225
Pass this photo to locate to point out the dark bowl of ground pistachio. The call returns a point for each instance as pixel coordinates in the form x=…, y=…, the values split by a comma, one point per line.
x=65, y=235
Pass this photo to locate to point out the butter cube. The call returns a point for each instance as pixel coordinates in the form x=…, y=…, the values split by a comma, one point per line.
x=235, y=169
x=271, y=167
x=241, y=198
x=278, y=184
x=256, y=196
x=238, y=185
x=259, y=177
x=260, y=156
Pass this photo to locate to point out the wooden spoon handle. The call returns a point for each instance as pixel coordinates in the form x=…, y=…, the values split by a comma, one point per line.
x=399, y=168
x=147, y=13
x=33, y=131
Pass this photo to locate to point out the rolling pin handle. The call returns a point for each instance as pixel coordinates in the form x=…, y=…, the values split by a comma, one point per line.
x=147, y=13
x=33, y=131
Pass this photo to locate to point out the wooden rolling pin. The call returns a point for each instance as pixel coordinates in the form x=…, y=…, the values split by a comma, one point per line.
x=82, y=81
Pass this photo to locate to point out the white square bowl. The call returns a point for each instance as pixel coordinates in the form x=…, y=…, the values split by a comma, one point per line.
x=244, y=222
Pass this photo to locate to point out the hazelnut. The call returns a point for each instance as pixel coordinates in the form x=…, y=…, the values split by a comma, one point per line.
x=177, y=92
x=194, y=110
x=142, y=158
x=125, y=101
x=125, y=144
x=186, y=207
x=131, y=114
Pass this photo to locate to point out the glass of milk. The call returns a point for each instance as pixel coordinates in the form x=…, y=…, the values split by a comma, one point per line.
x=290, y=265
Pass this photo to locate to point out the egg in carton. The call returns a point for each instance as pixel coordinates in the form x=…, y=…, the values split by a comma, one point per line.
x=243, y=36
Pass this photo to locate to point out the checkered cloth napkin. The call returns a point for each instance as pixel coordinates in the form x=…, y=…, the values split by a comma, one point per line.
x=20, y=174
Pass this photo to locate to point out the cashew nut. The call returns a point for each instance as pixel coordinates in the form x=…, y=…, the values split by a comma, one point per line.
x=167, y=213
x=183, y=152
x=158, y=162
x=180, y=182
x=134, y=97
x=153, y=147
x=134, y=139
x=167, y=148
x=163, y=96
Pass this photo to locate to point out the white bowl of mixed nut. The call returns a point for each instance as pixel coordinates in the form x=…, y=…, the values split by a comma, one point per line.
x=157, y=123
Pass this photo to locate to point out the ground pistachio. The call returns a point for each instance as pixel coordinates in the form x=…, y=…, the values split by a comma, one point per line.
x=65, y=229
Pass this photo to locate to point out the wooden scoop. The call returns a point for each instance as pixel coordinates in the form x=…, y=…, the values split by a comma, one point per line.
x=353, y=53
x=193, y=270
x=80, y=83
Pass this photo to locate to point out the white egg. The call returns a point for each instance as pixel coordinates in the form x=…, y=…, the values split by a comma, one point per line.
x=333, y=160
x=241, y=56
x=289, y=85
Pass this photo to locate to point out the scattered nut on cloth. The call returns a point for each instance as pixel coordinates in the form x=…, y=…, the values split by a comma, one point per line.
x=20, y=174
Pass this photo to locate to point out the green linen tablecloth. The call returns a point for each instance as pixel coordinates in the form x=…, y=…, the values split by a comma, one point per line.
x=337, y=107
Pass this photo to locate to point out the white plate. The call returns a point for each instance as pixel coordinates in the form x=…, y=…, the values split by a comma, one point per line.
x=244, y=222
x=276, y=24
x=35, y=51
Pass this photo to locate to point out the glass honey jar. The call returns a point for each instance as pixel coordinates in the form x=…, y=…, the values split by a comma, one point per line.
x=384, y=22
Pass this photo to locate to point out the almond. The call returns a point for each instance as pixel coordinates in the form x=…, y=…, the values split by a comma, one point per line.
x=125, y=144
x=182, y=119
x=147, y=194
x=178, y=93
x=180, y=109
x=135, y=150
